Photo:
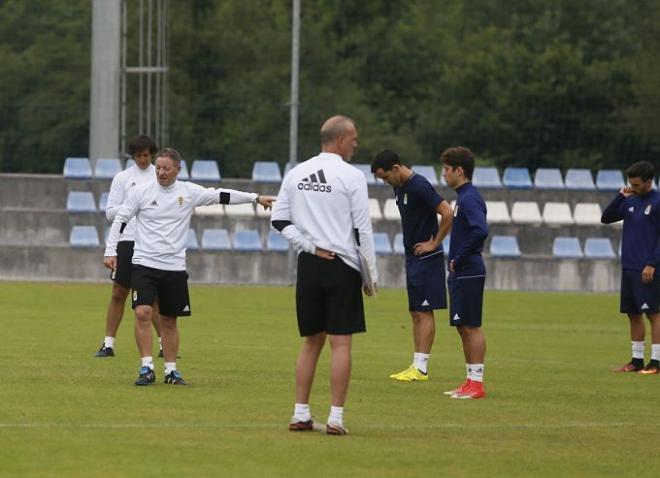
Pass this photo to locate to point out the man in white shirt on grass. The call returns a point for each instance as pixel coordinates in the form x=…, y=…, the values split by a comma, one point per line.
x=163, y=210
x=323, y=210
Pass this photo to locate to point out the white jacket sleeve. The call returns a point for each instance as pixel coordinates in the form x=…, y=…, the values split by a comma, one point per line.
x=125, y=214
x=209, y=196
x=362, y=222
x=115, y=197
x=280, y=220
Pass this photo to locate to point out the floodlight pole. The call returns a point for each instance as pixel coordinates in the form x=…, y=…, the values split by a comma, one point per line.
x=293, y=112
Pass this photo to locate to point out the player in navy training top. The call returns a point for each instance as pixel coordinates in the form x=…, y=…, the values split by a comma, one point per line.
x=638, y=205
x=467, y=272
x=419, y=205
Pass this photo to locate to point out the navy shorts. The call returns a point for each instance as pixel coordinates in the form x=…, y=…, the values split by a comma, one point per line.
x=328, y=297
x=425, y=281
x=122, y=274
x=466, y=299
x=170, y=287
x=637, y=297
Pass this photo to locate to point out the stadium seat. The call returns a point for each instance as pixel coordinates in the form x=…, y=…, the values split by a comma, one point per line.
x=191, y=240
x=446, y=242
x=548, y=178
x=77, y=168
x=374, y=210
x=587, y=214
x=579, y=179
x=567, y=248
x=398, y=244
x=277, y=242
x=428, y=172
x=215, y=240
x=84, y=236
x=368, y=175
x=212, y=210
x=498, y=212
x=609, y=180
x=391, y=210
x=106, y=168
x=504, y=246
x=103, y=201
x=80, y=201
x=486, y=177
x=183, y=174
x=599, y=248
x=557, y=214
x=247, y=240
x=526, y=212
x=203, y=170
x=517, y=178
x=240, y=210
x=382, y=243
x=129, y=163
x=266, y=172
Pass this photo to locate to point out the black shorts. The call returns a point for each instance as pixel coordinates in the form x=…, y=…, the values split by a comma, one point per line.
x=328, y=297
x=637, y=297
x=425, y=281
x=466, y=296
x=122, y=275
x=170, y=287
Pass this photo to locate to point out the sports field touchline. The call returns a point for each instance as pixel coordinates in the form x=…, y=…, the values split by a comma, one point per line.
x=248, y=426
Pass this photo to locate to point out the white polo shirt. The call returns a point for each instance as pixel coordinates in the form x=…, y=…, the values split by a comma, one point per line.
x=326, y=199
x=122, y=183
x=162, y=217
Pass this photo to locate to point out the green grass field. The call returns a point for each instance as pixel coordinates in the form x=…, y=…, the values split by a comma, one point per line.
x=554, y=406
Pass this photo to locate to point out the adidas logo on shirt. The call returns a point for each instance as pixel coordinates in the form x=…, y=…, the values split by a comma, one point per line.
x=154, y=203
x=315, y=182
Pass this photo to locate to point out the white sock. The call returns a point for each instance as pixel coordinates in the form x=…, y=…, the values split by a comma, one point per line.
x=655, y=352
x=301, y=412
x=109, y=342
x=148, y=362
x=160, y=343
x=421, y=362
x=169, y=366
x=467, y=371
x=476, y=372
x=638, y=350
x=336, y=415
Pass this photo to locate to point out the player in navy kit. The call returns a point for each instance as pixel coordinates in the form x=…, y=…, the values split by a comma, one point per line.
x=467, y=271
x=419, y=205
x=638, y=205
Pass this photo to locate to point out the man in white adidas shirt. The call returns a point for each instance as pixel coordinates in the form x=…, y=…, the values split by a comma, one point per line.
x=322, y=208
x=142, y=149
x=163, y=210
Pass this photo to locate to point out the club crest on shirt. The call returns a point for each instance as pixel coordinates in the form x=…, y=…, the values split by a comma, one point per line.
x=180, y=199
x=647, y=211
x=405, y=198
x=456, y=210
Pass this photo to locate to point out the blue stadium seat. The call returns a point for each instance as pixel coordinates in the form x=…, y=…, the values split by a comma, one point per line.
x=247, y=240
x=77, y=168
x=504, y=246
x=398, y=244
x=548, y=178
x=517, y=178
x=382, y=243
x=277, y=242
x=215, y=240
x=205, y=170
x=368, y=175
x=609, y=180
x=191, y=240
x=428, y=172
x=445, y=244
x=183, y=174
x=129, y=163
x=486, y=177
x=266, y=172
x=106, y=168
x=80, y=201
x=579, y=179
x=567, y=247
x=598, y=248
x=103, y=201
x=84, y=236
